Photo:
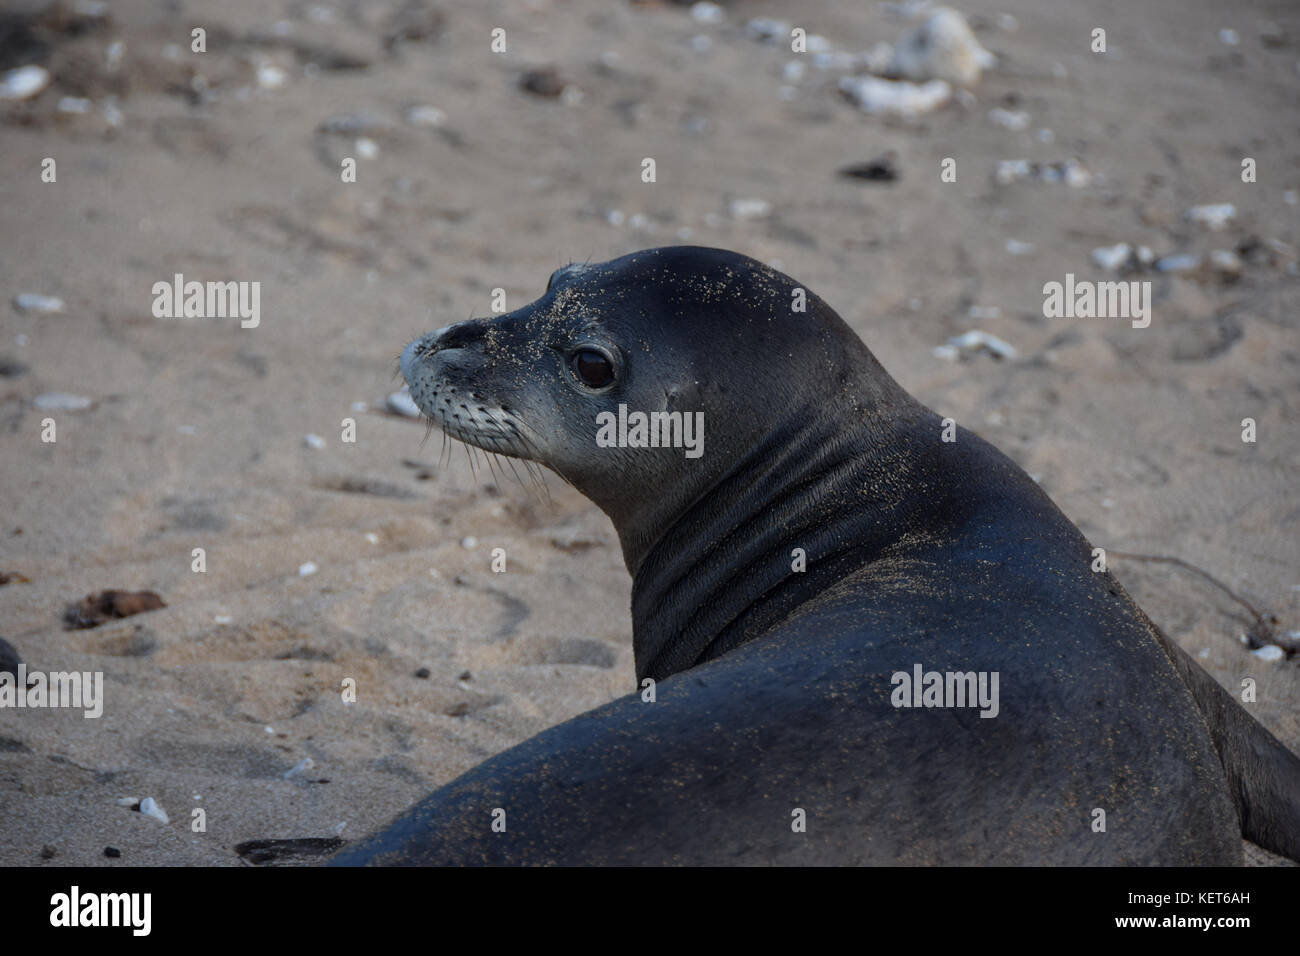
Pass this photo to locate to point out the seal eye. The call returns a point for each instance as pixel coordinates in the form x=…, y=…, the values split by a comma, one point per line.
x=592, y=368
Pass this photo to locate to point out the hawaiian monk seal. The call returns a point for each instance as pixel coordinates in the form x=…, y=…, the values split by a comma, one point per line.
x=782, y=727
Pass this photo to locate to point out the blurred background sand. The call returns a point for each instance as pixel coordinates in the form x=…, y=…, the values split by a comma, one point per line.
x=225, y=166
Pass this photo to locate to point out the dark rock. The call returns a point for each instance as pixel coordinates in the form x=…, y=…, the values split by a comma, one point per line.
x=882, y=169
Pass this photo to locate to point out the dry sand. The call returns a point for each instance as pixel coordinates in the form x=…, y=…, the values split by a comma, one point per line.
x=196, y=435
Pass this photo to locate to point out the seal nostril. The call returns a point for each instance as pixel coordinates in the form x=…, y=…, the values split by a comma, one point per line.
x=455, y=336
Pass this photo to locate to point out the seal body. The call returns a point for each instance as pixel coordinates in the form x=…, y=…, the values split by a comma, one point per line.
x=795, y=585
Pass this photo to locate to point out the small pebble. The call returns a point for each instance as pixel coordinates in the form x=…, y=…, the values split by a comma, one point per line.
x=1215, y=215
x=768, y=31
x=112, y=852
x=1015, y=120
x=1226, y=262
x=270, y=77
x=544, y=82
x=149, y=807
x=75, y=104
x=308, y=568
x=873, y=95
x=749, y=208
x=705, y=12
x=62, y=402
x=943, y=48
x=95, y=609
x=314, y=441
x=883, y=169
x=401, y=403
x=32, y=302
x=305, y=763
x=423, y=673
x=425, y=116
x=1269, y=652
x=353, y=124
x=1071, y=172
x=1182, y=262
x=1111, y=258
x=23, y=82
x=975, y=341
x=469, y=542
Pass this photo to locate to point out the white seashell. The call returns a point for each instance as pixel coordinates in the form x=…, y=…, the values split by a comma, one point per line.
x=149, y=807
x=1111, y=258
x=874, y=95
x=62, y=402
x=32, y=302
x=23, y=83
x=1015, y=120
x=271, y=77
x=1215, y=215
x=975, y=340
x=705, y=12
x=401, y=403
x=767, y=30
x=941, y=48
x=425, y=116
x=305, y=763
x=749, y=208
x=1184, y=262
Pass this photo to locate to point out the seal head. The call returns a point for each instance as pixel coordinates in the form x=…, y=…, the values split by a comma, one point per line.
x=768, y=371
